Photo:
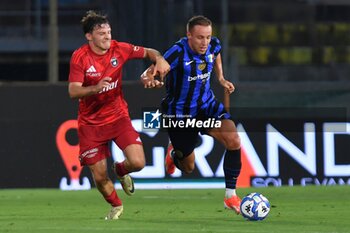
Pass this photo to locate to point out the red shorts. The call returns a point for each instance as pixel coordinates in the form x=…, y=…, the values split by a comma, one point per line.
x=93, y=140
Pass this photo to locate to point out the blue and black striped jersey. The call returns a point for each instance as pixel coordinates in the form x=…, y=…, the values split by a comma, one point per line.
x=188, y=82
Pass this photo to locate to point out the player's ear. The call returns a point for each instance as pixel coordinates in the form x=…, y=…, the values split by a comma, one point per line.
x=88, y=36
x=188, y=34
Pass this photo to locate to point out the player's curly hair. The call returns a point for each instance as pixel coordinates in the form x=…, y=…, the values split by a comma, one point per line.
x=197, y=20
x=93, y=19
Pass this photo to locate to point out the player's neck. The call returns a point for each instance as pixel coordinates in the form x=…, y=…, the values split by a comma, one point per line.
x=97, y=50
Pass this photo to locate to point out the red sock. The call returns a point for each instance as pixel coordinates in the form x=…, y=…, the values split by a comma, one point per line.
x=121, y=170
x=113, y=199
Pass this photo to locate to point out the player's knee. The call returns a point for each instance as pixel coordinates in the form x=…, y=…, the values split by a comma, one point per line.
x=101, y=181
x=233, y=142
x=187, y=168
x=138, y=164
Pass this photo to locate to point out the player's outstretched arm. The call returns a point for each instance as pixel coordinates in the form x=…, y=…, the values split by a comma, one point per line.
x=229, y=87
x=161, y=66
x=148, y=80
x=76, y=89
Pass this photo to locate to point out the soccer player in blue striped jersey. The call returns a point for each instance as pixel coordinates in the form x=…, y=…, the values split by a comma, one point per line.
x=188, y=95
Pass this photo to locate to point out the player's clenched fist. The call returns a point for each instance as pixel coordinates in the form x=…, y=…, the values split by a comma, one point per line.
x=104, y=82
x=161, y=67
x=148, y=79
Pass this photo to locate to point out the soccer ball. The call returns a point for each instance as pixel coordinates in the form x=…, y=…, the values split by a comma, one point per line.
x=255, y=207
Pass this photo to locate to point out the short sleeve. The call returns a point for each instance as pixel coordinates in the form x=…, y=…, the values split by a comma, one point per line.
x=130, y=51
x=172, y=55
x=76, y=72
x=216, y=45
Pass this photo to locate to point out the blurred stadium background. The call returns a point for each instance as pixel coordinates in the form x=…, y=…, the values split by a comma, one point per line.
x=290, y=40
x=285, y=56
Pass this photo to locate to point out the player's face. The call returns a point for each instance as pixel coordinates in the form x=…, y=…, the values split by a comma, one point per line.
x=199, y=38
x=100, y=38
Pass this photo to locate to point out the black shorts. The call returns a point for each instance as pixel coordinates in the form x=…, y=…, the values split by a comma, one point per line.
x=184, y=140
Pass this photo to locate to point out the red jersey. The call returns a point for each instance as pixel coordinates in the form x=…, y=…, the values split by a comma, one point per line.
x=89, y=68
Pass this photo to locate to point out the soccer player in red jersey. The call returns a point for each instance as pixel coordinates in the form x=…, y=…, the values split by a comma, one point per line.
x=95, y=78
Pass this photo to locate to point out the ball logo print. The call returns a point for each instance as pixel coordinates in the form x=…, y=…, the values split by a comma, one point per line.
x=151, y=119
x=255, y=207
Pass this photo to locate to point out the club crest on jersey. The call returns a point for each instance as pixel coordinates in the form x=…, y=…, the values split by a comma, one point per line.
x=202, y=66
x=114, y=61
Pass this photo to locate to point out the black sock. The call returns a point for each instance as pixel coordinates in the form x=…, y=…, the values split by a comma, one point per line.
x=175, y=159
x=176, y=162
x=232, y=167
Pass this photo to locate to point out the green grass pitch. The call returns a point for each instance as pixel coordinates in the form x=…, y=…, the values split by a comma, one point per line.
x=294, y=210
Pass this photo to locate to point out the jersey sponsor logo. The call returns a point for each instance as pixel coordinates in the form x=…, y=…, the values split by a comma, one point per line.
x=202, y=77
x=111, y=86
x=92, y=72
x=114, y=61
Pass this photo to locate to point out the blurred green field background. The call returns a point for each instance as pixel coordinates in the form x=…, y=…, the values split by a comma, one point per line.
x=294, y=209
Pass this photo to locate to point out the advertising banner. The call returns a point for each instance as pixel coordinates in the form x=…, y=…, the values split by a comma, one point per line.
x=280, y=146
